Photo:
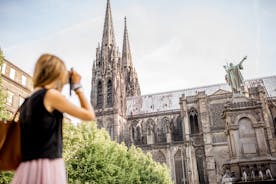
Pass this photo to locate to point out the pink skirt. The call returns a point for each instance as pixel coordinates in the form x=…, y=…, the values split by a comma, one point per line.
x=41, y=171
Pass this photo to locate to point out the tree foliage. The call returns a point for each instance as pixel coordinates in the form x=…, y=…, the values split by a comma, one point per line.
x=92, y=157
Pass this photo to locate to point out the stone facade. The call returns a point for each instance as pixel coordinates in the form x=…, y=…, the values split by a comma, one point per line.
x=113, y=79
x=199, y=133
x=16, y=84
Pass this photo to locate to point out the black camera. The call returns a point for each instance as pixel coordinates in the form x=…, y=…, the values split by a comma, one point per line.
x=70, y=81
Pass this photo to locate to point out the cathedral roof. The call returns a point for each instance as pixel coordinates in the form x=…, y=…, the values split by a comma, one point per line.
x=169, y=101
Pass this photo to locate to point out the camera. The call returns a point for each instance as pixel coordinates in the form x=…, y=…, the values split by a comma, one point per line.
x=70, y=81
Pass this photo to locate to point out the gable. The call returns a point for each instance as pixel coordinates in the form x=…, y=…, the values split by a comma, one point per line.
x=220, y=92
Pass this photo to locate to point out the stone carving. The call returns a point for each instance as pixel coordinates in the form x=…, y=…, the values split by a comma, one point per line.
x=253, y=177
x=233, y=76
x=228, y=177
x=261, y=175
x=268, y=173
x=216, y=111
x=244, y=175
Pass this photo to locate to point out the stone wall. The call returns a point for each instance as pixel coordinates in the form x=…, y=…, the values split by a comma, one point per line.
x=16, y=84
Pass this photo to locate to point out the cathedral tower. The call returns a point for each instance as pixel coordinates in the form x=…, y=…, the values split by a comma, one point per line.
x=113, y=80
x=108, y=83
x=132, y=84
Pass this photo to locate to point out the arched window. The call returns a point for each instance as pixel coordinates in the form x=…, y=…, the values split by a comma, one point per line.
x=200, y=165
x=136, y=133
x=164, y=130
x=109, y=99
x=178, y=132
x=150, y=127
x=179, y=167
x=99, y=94
x=193, y=117
x=151, y=131
x=133, y=136
x=159, y=157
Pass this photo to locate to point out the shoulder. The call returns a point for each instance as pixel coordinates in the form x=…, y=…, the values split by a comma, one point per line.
x=53, y=95
x=53, y=98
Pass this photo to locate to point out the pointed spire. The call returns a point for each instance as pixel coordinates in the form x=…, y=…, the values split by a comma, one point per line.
x=108, y=32
x=126, y=54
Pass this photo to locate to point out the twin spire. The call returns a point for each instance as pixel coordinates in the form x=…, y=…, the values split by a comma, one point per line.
x=108, y=32
x=126, y=55
x=109, y=37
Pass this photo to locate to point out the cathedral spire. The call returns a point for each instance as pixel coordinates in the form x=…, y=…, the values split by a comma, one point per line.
x=126, y=54
x=108, y=32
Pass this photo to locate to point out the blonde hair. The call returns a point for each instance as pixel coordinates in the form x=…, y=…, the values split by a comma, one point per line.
x=48, y=68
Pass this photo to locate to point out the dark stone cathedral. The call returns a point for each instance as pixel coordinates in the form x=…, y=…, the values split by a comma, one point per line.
x=203, y=134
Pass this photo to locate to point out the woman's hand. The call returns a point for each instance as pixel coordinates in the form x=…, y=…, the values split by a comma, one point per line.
x=75, y=76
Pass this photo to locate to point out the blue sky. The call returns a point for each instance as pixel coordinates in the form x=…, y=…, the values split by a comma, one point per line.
x=175, y=44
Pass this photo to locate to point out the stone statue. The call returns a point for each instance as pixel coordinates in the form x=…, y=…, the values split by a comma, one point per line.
x=253, y=177
x=268, y=173
x=233, y=75
x=261, y=175
x=228, y=178
x=244, y=175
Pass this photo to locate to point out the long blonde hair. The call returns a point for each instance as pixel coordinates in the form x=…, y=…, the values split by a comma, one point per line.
x=48, y=68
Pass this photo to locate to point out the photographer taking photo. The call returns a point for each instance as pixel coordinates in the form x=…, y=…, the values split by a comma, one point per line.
x=41, y=122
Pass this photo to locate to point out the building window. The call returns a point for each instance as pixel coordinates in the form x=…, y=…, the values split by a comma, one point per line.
x=179, y=167
x=193, y=116
x=178, y=133
x=24, y=80
x=159, y=157
x=12, y=73
x=99, y=94
x=164, y=130
x=200, y=166
x=109, y=93
x=10, y=98
x=21, y=100
x=136, y=133
x=3, y=69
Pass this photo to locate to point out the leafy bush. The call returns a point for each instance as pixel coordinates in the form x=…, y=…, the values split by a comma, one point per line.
x=92, y=157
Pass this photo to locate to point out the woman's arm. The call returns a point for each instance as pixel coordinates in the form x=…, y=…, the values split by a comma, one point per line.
x=55, y=100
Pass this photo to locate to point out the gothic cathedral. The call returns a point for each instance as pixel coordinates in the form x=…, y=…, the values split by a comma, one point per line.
x=113, y=80
x=203, y=134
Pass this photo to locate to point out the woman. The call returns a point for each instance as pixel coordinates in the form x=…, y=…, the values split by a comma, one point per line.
x=41, y=122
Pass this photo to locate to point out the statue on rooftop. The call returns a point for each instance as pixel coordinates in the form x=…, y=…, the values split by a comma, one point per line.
x=234, y=77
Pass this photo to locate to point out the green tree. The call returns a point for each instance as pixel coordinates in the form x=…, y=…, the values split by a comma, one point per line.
x=92, y=157
x=5, y=177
